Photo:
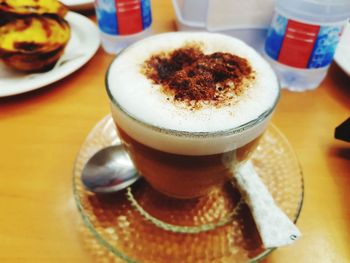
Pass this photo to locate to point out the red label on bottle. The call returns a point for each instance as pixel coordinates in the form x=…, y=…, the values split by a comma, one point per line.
x=129, y=16
x=298, y=44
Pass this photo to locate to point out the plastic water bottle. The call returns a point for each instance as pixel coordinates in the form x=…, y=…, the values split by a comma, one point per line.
x=122, y=22
x=302, y=40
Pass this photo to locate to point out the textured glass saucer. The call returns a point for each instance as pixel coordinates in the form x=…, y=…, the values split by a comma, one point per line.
x=226, y=230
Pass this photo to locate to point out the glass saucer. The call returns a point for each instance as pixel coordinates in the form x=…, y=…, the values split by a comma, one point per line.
x=141, y=225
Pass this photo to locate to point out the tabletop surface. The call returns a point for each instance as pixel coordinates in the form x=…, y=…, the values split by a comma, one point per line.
x=42, y=131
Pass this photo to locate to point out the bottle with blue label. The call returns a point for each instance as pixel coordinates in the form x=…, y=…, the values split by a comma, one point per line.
x=302, y=40
x=122, y=22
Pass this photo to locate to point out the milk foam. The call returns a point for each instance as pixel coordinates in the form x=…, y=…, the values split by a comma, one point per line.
x=138, y=98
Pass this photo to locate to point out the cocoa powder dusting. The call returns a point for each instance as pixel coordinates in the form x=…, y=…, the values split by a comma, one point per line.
x=190, y=76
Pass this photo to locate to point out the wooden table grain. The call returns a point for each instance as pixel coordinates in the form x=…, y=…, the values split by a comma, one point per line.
x=41, y=132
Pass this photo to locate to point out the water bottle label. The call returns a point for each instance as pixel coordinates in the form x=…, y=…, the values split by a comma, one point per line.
x=123, y=17
x=301, y=45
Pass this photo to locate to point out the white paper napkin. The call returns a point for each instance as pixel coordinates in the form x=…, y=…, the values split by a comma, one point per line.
x=231, y=14
x=275, y=228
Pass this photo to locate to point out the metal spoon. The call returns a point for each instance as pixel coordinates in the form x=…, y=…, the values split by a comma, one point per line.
x=109, y=170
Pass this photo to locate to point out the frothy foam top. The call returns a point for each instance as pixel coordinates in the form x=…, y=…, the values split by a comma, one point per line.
x=144, y=100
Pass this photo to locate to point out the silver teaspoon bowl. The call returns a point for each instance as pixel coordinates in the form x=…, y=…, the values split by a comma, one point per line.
x=109, y=170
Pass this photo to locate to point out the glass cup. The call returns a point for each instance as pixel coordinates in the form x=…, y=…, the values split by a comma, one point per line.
x=183, y=171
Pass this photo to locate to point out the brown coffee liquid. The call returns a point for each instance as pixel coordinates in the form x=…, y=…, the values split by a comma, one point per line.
x=184, y=176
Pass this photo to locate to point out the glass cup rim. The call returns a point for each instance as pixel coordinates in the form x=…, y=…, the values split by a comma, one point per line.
x=179, y=133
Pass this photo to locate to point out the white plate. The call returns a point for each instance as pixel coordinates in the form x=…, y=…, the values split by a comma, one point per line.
x=82, y=45
x=78, y=4
x=342, y=55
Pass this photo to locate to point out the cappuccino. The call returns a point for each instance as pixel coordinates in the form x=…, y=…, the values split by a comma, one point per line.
x=190, y=97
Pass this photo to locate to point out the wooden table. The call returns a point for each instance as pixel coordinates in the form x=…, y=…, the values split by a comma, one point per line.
x=41, y=132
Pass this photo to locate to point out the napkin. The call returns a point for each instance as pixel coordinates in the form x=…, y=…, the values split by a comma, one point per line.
x=231, y=14
x=274, y=227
